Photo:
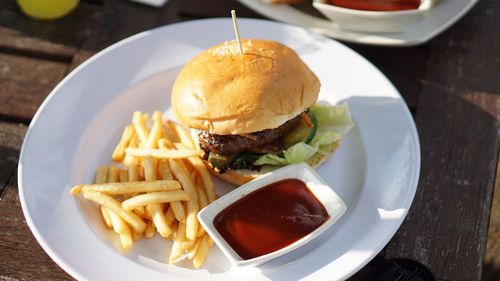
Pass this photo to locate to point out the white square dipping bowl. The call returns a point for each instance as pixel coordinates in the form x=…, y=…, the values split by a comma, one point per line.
x=334, y=206
x=373, y=21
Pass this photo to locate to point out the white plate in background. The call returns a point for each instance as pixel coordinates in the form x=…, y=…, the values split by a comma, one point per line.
x=375, y=171
x=437, y=19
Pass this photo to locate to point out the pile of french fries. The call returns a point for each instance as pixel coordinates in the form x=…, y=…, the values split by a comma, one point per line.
x=159, y=185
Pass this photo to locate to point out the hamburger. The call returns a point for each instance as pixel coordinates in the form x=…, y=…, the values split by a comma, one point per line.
x=256, y=111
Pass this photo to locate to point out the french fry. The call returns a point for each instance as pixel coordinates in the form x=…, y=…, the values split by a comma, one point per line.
x=174, y=226
x=164, y=170
x=113, y=174
x=133, y=175
x=202, y=252
x=119, y=152
x=150, y=230
x=188, y=244
x=176, y=207
x=117, y=222
x=136, y=235
x=156, y=131
x=193, y=249
x=140, y=211
x=200, y=167
x=150, y=170
x=178, y=210
x=140, y=126
x=156, y=209
x=169, y=216
x=105, y=217
x=159, y=220
x=129, y=187
x=161, y=153
x=123, y=175
x=133, y=172
x=130, y=160
x=119, y=225
x=202, y=199
x=187, y=184
x=101, y=175
x=195, y=138
x=155, y=197
x=147, y=212
x=165, y=144
x=114, y=205
x=180, y=235
x=183, y=135
x=170, y=132
x=126, y=239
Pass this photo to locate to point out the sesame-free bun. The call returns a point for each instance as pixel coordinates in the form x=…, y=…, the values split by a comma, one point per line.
x=224, y=92
x=240, y=177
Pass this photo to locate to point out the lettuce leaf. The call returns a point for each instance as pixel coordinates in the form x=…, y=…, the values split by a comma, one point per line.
x=270, y=159
x=336, y=118
x=299, y=152
x=333, y=122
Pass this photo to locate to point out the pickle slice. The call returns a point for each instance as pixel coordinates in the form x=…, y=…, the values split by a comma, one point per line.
x=302, y=133
x=219, y=160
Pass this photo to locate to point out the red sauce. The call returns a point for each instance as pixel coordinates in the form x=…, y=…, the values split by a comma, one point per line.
x=377, y=5
x=270, y=218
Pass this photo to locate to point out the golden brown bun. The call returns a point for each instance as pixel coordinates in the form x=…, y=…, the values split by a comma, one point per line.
x=240, y=177
x=224, y=92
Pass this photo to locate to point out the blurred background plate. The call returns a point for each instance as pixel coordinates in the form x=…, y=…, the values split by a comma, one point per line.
x=436, y=20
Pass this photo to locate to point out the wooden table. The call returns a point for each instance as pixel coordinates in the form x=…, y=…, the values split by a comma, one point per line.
x=451, y=85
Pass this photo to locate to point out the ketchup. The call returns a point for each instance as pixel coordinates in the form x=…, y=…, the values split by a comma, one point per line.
x=270, y=218
x=377, y=5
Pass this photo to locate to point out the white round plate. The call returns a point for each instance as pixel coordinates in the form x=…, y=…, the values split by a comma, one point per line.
x=375, y=170
x=435, y=21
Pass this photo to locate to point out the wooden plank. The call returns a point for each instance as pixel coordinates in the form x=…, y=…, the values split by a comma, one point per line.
x=202, y=9
x=24, y=84
x=11, y=137
x=458, y=120
x=21, y=256
x=120, y=19
x=45, y=39
x=491, y=270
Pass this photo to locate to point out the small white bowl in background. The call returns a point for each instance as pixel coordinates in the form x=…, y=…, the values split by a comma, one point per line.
x=373, y=21
x=334, y=206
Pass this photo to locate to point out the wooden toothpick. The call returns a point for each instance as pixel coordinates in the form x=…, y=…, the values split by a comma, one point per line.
x=236, y=30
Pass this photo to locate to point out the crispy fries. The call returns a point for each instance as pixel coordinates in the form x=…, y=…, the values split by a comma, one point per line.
x=156, y=131
x=162, y=154
x=119, y=152
x=160, y=187
x=184, y=178
x=180, y=235
x=200, y=167
x=128, y=187
x=154, y=197
x=140, y=126
x=202, y=252
x=114, y=205
x=182, y=134
x=105, y=217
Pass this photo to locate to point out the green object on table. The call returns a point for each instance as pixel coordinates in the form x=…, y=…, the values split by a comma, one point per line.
x=47, y=9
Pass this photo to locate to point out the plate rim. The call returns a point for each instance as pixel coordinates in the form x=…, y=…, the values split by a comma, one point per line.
x=75, y=273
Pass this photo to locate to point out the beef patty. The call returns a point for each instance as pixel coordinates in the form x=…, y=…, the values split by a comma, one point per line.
x=234, y=144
